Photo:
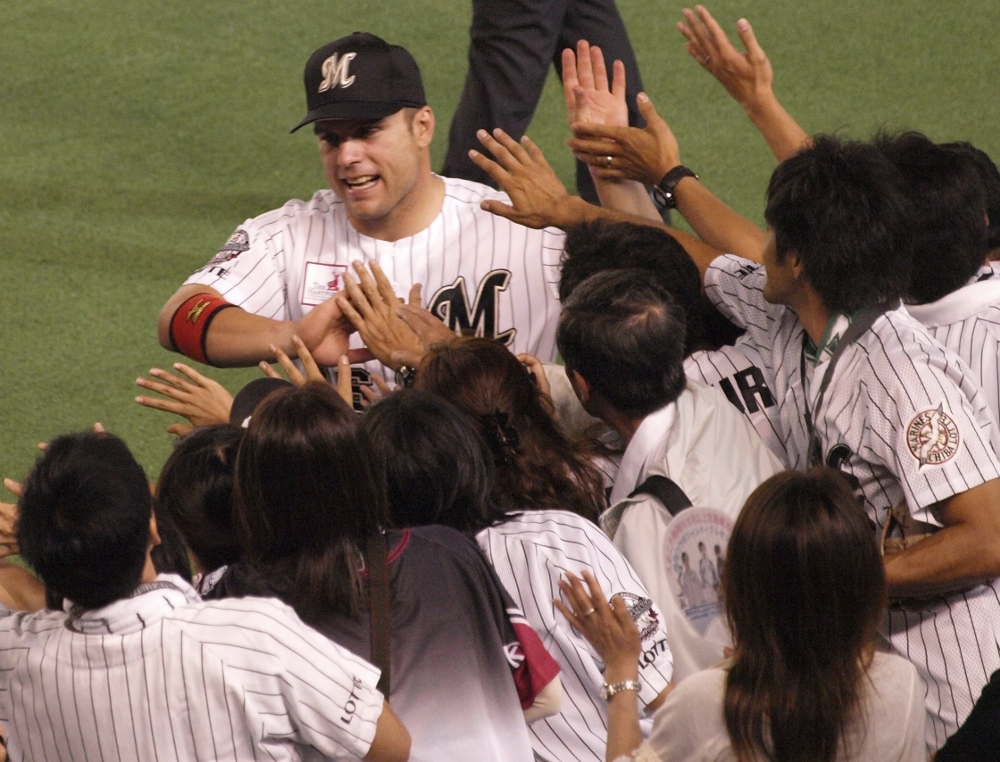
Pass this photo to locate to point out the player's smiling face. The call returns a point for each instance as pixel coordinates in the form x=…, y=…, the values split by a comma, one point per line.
x=378, y=167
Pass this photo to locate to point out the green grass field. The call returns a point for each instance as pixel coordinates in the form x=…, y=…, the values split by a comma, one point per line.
x=135, y=136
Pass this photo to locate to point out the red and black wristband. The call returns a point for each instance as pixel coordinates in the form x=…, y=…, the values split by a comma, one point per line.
x=190, y=323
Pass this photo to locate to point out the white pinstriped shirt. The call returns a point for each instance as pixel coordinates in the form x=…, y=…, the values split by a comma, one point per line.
x=480, y=272
x=165, y=677
x=530, y=554
x=906, y=419
x=967, y=321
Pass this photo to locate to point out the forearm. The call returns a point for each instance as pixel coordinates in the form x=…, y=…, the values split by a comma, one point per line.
x=235, y=337
x=627, y=196
x=624, y=733
x=954, y=556
x=783, y=134
x=716, y=224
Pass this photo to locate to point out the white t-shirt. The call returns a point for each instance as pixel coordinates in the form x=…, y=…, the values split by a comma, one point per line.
x=530, y=554
x=713, y=454
x=690, y=726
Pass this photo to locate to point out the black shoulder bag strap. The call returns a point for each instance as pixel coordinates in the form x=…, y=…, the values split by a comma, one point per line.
x=378, y=605
x=866, y=319
x=664, y=489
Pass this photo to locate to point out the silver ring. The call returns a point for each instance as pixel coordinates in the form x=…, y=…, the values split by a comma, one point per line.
x=607, y=161
x=588, y=613
x=707, y=59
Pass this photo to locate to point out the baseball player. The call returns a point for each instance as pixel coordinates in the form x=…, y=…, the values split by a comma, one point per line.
x=277, y=274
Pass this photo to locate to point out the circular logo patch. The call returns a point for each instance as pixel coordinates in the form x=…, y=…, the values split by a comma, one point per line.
x=932, y=437
x=642, y=612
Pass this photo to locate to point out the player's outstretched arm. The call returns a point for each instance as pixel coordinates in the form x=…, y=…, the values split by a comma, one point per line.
x=747, y=77
x=965, y=551
x=591, y=99
x=235, y=337
x=539, y=199
x=647, y=155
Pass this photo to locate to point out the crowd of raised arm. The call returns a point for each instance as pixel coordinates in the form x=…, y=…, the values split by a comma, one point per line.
x=597, y=489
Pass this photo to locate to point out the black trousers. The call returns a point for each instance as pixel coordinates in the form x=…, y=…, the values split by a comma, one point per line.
x=512, y=44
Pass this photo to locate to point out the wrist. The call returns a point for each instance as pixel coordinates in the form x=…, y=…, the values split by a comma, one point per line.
x=760, y=104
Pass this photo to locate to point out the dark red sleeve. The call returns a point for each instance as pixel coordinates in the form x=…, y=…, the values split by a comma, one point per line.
x=532, y=666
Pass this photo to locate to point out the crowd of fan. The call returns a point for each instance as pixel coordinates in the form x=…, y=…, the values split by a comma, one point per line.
x=690, y=540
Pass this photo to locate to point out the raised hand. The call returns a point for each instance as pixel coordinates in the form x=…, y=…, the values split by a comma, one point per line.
x=748, y=76
x=193, y=396
x=585, y=87
x=631, y=153
x=538, y=197
x=371, y=307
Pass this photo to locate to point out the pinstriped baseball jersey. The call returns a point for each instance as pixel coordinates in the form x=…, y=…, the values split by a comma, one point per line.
x=739, y=373
x=967, y=322
x=164, y=676
x=481, y=273
x=530, y=554
x=905, y=420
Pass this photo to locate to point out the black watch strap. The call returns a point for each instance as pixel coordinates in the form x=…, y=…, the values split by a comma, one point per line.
x=663, y=191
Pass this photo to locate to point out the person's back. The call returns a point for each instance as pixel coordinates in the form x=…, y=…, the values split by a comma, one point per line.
x=154, y=677
x=309, y=508
x=890, y=727
x=440, y=470
x=451, y=681
x=137, y=667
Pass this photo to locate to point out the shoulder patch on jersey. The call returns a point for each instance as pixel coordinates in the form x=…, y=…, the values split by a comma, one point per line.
x=932, y=437
x=238, y=243
x=641, y=611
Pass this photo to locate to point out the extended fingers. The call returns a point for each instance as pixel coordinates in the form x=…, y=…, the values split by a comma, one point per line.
x=754, y=50
x=344, y=380
x=373, y=293
x=599, y=68
x=16, y=487
x=290, y=368
x=569, y=77
x=313, y=373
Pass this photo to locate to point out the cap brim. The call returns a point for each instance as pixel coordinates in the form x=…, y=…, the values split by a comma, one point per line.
x=355, y=110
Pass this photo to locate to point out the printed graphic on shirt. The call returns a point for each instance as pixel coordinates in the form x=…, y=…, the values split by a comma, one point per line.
x=642, y=613
x=753, y=393
x=694, y=550
x=932, y=437
x=321, y=281
x=482, y=317
x=237, y=243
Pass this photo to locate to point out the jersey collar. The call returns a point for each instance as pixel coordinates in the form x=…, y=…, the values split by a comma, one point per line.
x=636, y=461
x=148, y=604
x=835, y=330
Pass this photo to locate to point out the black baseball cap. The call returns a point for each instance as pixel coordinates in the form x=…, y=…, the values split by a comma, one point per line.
x=361, y=76
x=250, y=397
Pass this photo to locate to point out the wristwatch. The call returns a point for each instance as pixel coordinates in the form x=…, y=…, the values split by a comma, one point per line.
x=663, y=191
x=609, y=691
x=406, y=376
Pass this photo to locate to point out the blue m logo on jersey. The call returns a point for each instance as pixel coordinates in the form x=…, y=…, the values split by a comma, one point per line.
x=482, y=317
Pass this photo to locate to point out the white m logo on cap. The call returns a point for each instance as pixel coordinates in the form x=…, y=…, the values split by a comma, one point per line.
x=335, y=72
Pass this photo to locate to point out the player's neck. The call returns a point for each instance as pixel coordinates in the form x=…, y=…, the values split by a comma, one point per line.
x=812, y=313
x=411, y=215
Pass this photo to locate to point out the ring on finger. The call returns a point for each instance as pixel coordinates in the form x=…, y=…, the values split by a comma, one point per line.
x=588, y=613
x=707, y=59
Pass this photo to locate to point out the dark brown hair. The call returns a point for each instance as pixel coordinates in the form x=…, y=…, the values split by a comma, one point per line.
x=805, y=591
x=537, y=466
x=308, y=496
